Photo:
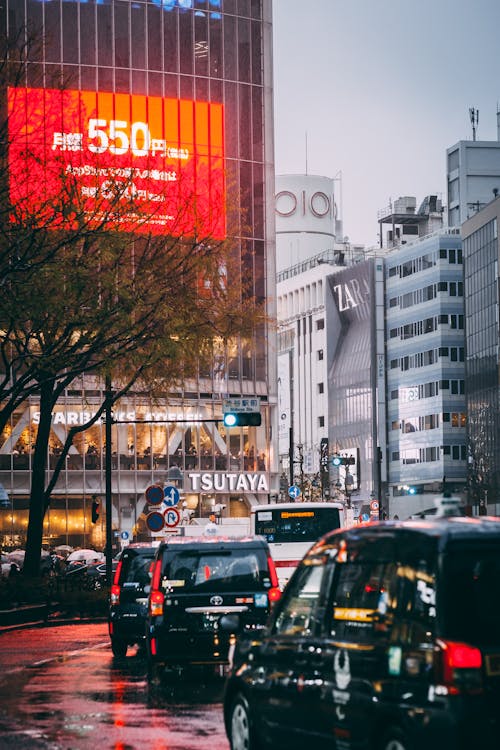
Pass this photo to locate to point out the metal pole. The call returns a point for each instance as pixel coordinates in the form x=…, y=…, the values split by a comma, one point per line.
x=109, y=516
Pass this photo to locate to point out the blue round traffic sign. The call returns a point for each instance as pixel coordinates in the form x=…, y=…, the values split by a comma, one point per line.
x=154, y=494
x=171, y=495
x=155, y=521
x=294, y=492
x=124, y=535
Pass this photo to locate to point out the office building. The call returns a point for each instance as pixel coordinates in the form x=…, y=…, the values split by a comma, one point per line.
x=481, y=262
x=426, y=414
x=133, y=61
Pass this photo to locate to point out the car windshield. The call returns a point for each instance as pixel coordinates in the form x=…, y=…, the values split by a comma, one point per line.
x=300, y=525
x=215, y=570
x=135, y=567
x=472, y=594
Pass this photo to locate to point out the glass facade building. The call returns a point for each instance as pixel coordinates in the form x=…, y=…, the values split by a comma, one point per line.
x=481, y=255
x=204, y=52
x=425, y=371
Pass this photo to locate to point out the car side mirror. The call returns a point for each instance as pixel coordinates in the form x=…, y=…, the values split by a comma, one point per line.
x=230, y=623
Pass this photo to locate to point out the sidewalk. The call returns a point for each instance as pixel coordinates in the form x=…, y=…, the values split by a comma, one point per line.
x=40, y=615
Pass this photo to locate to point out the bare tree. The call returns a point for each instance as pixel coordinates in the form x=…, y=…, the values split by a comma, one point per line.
x=88, y=283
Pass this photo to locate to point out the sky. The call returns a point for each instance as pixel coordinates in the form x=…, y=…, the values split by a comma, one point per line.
x=373, y=92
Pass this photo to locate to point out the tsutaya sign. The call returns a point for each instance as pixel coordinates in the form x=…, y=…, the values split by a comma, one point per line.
x=227, y=482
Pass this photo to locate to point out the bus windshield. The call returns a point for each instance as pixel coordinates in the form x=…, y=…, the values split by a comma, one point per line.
x=302, y=525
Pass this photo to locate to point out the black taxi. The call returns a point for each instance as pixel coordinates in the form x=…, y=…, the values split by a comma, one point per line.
x=195, y=581
x=387, y=637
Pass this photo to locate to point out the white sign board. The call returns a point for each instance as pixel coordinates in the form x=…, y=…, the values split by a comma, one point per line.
x=241, y=405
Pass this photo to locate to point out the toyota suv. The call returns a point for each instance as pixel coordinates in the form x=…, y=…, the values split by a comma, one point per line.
x=129, y=597
x=387, y=637
x=195, y=582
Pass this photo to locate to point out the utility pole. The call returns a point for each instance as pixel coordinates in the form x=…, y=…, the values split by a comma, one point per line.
x=108, y=395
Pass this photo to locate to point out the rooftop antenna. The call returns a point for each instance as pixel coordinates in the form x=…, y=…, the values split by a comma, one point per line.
x=474, y=118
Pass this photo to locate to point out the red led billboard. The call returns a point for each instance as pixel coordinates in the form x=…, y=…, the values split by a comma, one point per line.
x=138, y=163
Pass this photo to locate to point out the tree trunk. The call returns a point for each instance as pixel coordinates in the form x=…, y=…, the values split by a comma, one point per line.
x=34, y=538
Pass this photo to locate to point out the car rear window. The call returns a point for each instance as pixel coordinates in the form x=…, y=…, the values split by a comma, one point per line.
x=135, y=567
x=472, y=594
x=215, y=570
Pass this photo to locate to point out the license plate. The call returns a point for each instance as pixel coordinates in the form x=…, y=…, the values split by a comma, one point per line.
x=210, y=621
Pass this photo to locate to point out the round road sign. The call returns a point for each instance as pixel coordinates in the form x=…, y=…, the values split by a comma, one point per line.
x=155, y=521
x=374, y=505
x=171, y=495
x=172, y=517
x=154, y=494
x=294, y=492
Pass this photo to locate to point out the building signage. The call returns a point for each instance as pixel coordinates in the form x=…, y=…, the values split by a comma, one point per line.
x=241, y=405
x=131, y=162
x=319, y=204
x=80, y=417
x=228, y=482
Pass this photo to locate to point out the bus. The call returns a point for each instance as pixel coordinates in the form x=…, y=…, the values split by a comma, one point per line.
x=291, y=528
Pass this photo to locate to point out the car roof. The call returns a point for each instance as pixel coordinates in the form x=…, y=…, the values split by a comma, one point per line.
x=214, y=542
x=442, y=530
x=140, y=547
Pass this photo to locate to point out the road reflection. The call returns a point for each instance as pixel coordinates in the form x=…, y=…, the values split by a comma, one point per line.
x=85, y=699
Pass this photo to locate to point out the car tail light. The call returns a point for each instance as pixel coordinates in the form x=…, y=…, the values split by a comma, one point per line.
x=274, y=592
x=115, y=594
x=156, y=600
x=118, y=571
x=155, y=580
x=115, y=588
x=459, y=667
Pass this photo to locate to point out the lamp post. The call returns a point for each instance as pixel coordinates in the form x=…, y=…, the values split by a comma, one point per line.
x=300, y=462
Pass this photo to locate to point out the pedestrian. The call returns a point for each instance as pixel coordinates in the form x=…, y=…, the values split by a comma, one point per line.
x=211, y=527
x=14, y=570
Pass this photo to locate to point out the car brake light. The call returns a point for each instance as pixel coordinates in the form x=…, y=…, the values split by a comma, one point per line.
x=156, y=600
x=118, y=571
x=115, y=594
x=274, y=592
x=459, y=667
x=155, y=581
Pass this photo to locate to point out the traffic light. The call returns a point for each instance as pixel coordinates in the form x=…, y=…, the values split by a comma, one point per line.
x=95, y=509
x=343, y=460
x=242, y=419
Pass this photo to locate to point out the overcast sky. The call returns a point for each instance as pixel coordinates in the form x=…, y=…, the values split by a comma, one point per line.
x=381, y=88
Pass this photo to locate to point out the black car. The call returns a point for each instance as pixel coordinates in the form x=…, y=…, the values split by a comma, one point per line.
x=387, y=637
x=195, y=581
x=129, y=597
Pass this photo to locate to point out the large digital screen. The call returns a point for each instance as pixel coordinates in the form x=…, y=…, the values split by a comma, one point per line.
x=138, y=163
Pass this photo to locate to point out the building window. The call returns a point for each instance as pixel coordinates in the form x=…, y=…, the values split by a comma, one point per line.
x=321, y=388
x=320, y=324
x=320, y=355
x=321, y=421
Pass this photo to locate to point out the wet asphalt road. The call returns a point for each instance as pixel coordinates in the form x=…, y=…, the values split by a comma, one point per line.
x=62, y=689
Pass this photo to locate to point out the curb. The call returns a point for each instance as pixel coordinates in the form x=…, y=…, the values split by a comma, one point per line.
x=51, y=622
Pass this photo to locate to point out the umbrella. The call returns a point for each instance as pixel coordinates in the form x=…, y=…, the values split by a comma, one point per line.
x=85, y=555
x=63, y=549
x=17, y=556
